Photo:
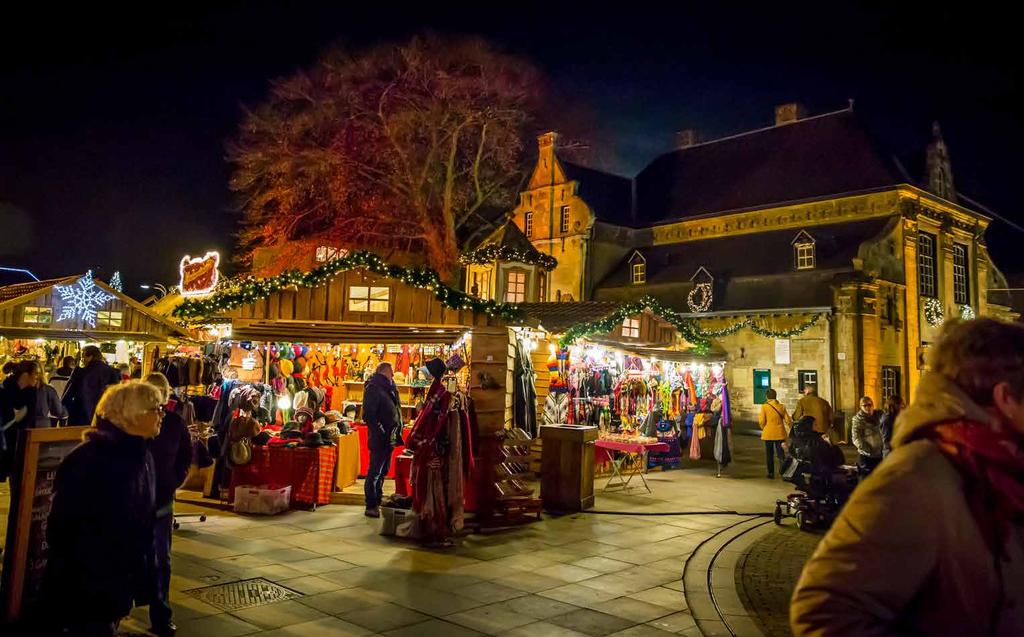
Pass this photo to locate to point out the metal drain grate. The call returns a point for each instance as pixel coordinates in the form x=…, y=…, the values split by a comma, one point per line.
x=246, y=593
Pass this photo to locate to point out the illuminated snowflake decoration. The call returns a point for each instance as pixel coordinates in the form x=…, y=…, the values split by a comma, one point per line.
x=967, y=312
x=115, y=282
x=81, y=299
x=699, y=298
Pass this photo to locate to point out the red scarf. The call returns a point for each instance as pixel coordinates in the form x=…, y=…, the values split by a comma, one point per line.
x=991, y=462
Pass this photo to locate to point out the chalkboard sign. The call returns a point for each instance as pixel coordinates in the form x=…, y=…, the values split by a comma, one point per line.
x=40, y=452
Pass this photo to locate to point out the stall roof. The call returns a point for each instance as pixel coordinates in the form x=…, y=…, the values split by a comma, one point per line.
x=558, y=317
x=676, y=356
x=9, y=292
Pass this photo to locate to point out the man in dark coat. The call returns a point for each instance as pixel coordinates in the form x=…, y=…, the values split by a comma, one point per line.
x=100, y=527
x=383, y=418
x=172, y=456
x=87, y=385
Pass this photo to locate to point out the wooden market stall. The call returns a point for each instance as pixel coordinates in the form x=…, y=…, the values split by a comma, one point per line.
x=49, y=319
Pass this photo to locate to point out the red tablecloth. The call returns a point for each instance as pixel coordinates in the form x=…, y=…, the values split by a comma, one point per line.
x=309, y=471
x=364, y=451
x=603, y=448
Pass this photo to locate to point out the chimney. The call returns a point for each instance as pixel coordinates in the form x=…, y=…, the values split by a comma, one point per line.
x=789, y=113
x=687, y=137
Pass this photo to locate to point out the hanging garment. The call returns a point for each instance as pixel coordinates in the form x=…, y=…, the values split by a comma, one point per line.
x=722, y=452
x=695, y=443
x=556, y=408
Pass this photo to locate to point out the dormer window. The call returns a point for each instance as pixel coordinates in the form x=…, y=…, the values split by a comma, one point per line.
x=631, y=328
x=638, y=268
x=803, y=251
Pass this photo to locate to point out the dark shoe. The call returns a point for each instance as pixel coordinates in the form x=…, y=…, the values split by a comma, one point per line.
x=373, y=512
x=771, y=476
x=167, y=630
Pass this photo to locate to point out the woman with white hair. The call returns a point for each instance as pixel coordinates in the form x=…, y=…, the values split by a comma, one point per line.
x=100, y=529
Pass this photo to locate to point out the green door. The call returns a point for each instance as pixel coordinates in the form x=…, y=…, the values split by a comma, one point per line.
x=762, y=381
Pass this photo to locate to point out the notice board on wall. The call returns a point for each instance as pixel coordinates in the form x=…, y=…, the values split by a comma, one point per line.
x=40, y=452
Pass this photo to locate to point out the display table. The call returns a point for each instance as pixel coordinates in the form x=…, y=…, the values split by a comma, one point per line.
x=309, y=471
x=348, y=461
x=628, y=459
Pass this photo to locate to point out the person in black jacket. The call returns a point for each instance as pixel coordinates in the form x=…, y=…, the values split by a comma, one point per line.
x=172, y=456
x=17, y=411
x=100, y=527
x=87, y=384
x=383, y=418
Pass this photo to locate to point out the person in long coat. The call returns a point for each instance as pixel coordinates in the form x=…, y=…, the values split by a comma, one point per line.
x=100, y=527
x=17, y=411
x=932, y=542
x=87, y=384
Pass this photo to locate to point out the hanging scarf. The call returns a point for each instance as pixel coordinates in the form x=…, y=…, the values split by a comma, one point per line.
x=991, y=462
x=725, y=405
x=690, y=388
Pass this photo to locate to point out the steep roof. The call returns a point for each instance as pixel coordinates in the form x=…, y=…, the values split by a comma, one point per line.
x=609, y=196
x=813, y=157
x=9, y=292
x=751, y=271
x=509, y=236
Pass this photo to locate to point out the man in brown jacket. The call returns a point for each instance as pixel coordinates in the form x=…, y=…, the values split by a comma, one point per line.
x=932, y=543
x=818, y=408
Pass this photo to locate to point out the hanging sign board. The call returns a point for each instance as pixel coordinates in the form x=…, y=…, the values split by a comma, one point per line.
x=199, y=275
x=782, y=351
x=40, y=453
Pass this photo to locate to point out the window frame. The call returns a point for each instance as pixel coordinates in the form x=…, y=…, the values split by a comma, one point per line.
x=805, y=376
x=891, y=381
x=927, y=266
x=351, y=299
x=639, y=273
x=528, y=224
x=631, y=327
x=961, y=275
x=37, y=311
x=107, y=318
x=517, y=295
x=563, y=219
x=805, y=255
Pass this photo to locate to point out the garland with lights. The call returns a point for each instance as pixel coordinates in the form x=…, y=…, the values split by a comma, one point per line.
x=933, y=312
x=967, y=312
x=687, y=327
x=493, y=252
x=250, y=289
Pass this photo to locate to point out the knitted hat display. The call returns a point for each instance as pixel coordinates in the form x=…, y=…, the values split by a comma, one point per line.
x=286, y=367
x=304, y=411
x=332, y=416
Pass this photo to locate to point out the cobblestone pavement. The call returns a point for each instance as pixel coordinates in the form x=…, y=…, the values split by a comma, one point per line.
x=765, y=579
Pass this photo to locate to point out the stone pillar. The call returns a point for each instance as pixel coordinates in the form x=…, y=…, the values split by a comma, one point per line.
x=981, y=279
x=912, y=305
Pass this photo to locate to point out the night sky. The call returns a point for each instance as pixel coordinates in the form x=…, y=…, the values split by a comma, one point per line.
x=113, y=124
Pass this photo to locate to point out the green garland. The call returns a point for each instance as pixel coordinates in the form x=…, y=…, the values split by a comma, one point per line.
x=250, y=289
x=492, y=252
x=687, y=327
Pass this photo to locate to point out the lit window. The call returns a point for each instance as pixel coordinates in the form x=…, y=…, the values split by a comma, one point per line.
x=368, y=299
x=515, y=286
x=105, y=318
x=528, y=225
x=631, y=328
x=926, y=264
x=564, y=219
x=35, y=315
x=639, y=273
x=960, y=285
x=804, y=255
x=328, y=253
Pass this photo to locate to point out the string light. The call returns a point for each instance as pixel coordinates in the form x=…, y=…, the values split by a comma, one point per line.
x=492, y=252
x=699, y=299
x=251, y=289
x=81, y=300
x=933, y=312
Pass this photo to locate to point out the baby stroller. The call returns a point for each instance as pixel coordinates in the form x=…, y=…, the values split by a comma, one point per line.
x=824, y=483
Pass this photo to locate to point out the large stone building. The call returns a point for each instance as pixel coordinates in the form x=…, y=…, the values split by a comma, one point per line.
x=805, y=218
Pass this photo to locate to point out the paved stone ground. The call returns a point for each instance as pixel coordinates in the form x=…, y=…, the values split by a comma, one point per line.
x=585, y=574
x=765, y=579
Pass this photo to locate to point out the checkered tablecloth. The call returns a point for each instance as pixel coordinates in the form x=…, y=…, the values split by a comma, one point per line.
x=309, y=471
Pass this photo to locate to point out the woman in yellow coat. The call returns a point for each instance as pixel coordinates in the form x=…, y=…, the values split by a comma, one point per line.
x=774, y=421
